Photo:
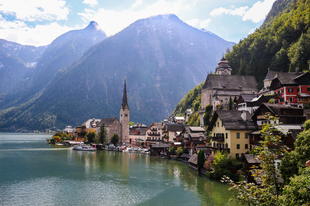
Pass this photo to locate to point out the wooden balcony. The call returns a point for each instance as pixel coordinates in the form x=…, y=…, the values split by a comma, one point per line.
x=218, y=138
x=153, y=134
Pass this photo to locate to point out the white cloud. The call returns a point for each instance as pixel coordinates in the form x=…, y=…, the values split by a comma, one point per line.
x=34, y=10
x=18, y=31
x=258, y=11
x=92, y=3
x=220, y=11
x=236, y=12
x=137, y=3
x=205, y=23
x=114, y=21
x=239, y=11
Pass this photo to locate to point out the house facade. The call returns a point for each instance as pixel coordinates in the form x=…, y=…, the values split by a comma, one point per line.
x=288, y=87
x=154, y=133
x=230, y=131
x=137, y=134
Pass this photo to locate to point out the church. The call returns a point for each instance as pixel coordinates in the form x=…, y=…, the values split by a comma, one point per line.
x=124, y=117
x=221, y=85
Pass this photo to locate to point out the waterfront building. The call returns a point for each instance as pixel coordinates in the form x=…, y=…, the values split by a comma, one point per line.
x=91, y=125
x=137, y=134
x=154, y=133
x=124, y=118
x=230, y=131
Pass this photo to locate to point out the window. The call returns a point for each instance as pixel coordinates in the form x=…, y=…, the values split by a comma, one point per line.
x=282, y=100
x=238, y=146
x=245, y=135
x=126, y=115
x=282, y=91
x=237, y=155
x=297, y=89
x=276, y=101
x=291, y=99
x=238, y=135
x=226, y=135
x=308, y=89
x=290, y=90
x=218, y=124
x=246, y=146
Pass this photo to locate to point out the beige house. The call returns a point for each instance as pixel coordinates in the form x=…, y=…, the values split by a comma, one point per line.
x=230, y=132
x=154, y=133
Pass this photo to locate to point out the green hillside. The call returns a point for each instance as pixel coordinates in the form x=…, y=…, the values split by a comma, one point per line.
x=282, y=43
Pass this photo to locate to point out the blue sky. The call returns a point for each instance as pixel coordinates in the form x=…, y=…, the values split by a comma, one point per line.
x=39, y=22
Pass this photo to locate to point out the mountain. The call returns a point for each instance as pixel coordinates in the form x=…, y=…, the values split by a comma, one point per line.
x=161, y=57
x=282, y=43
x=15, y=61
x=64, y=50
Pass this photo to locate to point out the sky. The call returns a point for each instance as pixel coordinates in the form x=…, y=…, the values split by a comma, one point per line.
x=39, y=22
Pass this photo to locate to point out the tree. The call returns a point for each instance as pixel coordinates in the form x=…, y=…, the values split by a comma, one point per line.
x=296, y=159
x=102, y=135
x=269, y=191
x=207, y=115
x=179, y=151
x=298, y=191
x=131, y=123
x=225, y=164
x=90, y=137
x=114, y=139
x=230, y=104
x=200, y=159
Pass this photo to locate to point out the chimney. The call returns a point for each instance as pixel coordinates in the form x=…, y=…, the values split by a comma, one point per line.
x=243, y=115
x=297, y=70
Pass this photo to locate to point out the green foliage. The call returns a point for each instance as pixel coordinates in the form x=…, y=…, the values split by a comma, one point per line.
x=296, y=159
x=102, y=135
x=282, y=42
x=196, y=105
x=131, y=123
x=224, y=164
x=298, y=191
x=192, y=96
x=194, y=119
x=268, y=192
x=306, y=125
x=200, y=159
x=271, y=101
x=179, y=151
x=207, y=115
x=114, y=139
x=90, y=137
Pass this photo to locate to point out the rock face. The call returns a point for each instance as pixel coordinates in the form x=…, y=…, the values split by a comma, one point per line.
x=161, y=57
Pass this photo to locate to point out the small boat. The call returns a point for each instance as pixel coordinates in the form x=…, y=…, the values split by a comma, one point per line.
x=83, y=147
x=59, y=144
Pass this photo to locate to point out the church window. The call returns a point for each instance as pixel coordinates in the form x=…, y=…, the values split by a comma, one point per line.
x=126, y=115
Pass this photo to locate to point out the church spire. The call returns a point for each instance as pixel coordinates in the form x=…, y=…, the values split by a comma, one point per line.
x=124, y=102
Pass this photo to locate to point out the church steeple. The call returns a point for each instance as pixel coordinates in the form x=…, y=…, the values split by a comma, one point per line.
x=124, y=117
x=124, y=102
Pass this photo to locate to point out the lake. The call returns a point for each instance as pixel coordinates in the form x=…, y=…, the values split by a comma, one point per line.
x=33, y=172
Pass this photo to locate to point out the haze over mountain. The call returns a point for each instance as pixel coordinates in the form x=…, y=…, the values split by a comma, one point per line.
x=15, y=61
x=161, y=57
x=60, y=53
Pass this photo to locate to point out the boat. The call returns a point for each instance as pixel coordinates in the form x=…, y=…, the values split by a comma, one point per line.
x=59, y=144
x=83, y=147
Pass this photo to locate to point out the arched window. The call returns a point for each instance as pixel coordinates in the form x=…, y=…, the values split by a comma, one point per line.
x=238, y=135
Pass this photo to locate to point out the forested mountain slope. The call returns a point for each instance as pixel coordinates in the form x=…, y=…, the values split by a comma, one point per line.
x=282, y=43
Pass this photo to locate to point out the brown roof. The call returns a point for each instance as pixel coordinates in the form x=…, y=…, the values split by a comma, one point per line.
x=107, y=121
x=252, y=158
x=234, y=82
x=232, y=120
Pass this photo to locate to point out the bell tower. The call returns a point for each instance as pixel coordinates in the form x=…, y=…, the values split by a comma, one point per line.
x=124, y=117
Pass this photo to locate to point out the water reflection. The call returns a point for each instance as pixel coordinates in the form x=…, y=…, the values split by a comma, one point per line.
x=57, y=176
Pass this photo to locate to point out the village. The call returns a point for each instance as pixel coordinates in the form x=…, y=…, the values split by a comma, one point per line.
x=239, y=110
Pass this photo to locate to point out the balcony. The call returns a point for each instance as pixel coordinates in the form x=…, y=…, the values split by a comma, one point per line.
x=154, y=129
x=153, y=134
x=218, y=138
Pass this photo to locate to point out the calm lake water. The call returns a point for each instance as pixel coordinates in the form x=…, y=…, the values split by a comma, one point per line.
x=35, y=173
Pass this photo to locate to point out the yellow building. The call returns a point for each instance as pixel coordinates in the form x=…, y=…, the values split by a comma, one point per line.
x=230, y=131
